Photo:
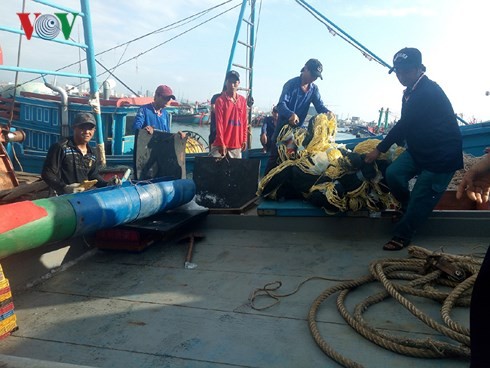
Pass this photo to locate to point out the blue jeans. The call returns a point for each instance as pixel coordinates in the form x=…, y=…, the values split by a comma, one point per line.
x=418, y=204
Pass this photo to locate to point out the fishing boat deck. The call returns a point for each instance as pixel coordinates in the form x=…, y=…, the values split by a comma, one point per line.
x=121, y=309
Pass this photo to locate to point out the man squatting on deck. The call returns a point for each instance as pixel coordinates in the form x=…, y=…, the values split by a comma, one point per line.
x=434, y=149
x=230, y=112
x=295, y=100
x=72, y=161
x=476, y=183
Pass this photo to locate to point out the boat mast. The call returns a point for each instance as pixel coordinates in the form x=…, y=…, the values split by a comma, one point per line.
x=250, y=45
x=94, y=88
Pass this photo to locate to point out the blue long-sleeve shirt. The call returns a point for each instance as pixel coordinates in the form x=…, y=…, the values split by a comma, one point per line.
x=294, y=100
x=147, y=116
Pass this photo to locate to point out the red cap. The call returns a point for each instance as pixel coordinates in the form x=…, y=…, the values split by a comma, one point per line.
x=164, y=91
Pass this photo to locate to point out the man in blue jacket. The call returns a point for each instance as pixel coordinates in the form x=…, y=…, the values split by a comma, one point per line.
x=296, y=97
x=434, y=151
x=153, y=115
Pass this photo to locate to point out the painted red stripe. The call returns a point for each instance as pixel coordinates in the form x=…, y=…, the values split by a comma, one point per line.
x=15, y=215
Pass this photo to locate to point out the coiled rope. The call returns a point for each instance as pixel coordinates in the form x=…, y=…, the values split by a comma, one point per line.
x=445, y=278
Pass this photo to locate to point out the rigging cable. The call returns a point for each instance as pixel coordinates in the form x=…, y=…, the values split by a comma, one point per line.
x=169, y=27
x=197, y=15
x=339, y=32
x=170, y=39
x=120, y=58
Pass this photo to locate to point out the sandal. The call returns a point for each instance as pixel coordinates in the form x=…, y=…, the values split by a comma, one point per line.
x=396, y=243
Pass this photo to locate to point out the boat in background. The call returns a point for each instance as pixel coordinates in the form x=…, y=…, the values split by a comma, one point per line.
x=476, y=138
x=190, y=115
x=44, y=120
x=40, y=118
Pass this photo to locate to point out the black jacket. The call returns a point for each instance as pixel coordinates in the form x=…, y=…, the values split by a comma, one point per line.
x=429, y=128
x=65, y=164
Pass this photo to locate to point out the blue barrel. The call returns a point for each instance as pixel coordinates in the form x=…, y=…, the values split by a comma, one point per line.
x=164, y=195
x=105, y=207
x=111, y=206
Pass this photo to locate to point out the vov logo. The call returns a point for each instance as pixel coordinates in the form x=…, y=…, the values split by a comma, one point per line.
x=47, y=26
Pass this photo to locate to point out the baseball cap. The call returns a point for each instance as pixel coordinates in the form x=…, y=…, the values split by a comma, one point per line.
x=83, y=118
x=232, y=74
x=315, y=68
x=407, y=57
x=164, y=91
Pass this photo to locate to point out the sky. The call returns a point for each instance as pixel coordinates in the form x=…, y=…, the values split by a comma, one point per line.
x=451, y=34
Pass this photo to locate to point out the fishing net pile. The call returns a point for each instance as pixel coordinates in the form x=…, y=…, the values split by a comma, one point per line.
x=314, y=167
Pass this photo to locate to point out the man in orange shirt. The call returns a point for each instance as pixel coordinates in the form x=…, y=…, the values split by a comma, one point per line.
x=231, y=120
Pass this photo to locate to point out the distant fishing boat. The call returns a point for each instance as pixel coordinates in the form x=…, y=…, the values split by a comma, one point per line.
x=476, y=137
x=190, y=115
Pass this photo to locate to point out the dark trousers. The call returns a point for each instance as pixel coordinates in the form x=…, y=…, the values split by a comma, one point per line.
x=273, y=158
x=274, y=154
x=480, y=317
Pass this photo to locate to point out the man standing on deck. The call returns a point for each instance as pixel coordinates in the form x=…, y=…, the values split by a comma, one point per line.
x=212, y=117
x=296, y=97
x=231, y=120
x=268, y=129
x=72, y=161
x=434, y=149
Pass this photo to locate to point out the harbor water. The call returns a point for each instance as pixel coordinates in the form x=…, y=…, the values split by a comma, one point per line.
x=204, y=132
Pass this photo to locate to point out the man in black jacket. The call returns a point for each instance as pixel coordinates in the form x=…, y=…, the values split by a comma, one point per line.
x=434, y=151
x=72, y=161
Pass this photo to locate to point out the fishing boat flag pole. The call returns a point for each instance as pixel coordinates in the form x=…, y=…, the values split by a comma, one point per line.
x=94, y=89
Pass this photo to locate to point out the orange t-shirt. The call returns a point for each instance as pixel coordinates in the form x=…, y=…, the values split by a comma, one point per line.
x=231, y=121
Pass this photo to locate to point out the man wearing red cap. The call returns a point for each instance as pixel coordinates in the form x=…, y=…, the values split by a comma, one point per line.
x=153, y=115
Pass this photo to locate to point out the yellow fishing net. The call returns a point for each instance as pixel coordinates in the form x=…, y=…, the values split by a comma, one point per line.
x=315, y=152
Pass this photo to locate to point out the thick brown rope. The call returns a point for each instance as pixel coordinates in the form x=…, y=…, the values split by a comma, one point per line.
x=419, y=276
x=387, y=270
